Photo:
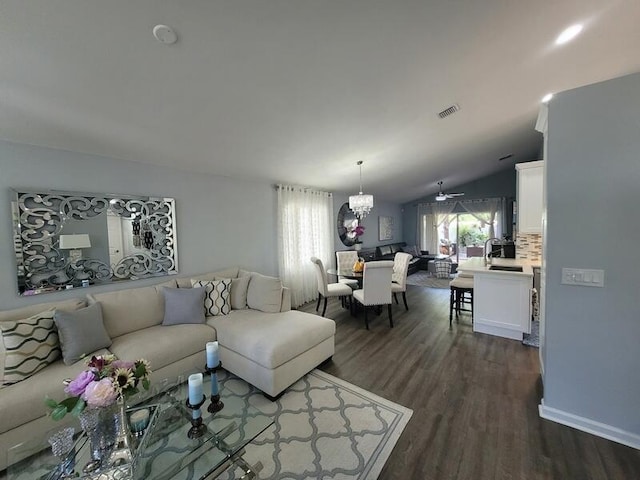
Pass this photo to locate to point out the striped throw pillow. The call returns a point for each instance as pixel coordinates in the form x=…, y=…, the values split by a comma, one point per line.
x=27, y=346
x=217, y=299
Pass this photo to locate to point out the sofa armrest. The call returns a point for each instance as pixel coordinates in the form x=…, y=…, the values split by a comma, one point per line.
x=286, y=300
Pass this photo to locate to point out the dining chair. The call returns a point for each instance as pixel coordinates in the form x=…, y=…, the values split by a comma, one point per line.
x=376, y=288
x=325, y=289
x=399, y=276
x=344, y=261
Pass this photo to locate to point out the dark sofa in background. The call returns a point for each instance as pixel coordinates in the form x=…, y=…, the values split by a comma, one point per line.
x=418, y=262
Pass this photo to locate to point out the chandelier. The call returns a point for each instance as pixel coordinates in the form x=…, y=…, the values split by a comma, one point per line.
x=361, y=204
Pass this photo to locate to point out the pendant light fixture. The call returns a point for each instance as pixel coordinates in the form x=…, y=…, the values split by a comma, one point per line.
x=361, y=204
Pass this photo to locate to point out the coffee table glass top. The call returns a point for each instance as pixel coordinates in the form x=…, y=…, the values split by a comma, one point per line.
x=166, y=451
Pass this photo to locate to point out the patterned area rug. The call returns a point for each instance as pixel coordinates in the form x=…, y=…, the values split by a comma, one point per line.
x=324, y=428
x=422, y=278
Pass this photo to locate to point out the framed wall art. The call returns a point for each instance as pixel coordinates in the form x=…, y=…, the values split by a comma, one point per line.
x=385, y=228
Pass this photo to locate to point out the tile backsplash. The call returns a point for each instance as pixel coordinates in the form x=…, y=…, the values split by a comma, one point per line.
x=529, y=246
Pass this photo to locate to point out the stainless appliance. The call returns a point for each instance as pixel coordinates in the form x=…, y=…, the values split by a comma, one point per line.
x=504, y=249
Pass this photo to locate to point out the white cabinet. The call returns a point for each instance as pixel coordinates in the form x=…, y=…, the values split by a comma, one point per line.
x=501, y=299
x=502, y=304
x=530, y=196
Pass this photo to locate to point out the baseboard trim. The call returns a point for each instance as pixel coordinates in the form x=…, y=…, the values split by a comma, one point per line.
x=590, y=426
x=496, y=329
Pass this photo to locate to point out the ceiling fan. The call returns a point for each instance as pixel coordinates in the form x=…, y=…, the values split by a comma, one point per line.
x=441, y=196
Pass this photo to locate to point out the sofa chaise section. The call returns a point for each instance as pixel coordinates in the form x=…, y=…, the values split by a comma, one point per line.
x=272, y=351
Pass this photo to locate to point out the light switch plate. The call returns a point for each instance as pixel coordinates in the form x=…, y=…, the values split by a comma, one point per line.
x=583, y=277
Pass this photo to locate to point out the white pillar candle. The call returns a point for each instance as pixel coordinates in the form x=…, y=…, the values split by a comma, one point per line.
x=195, y=388
x=139, y=419
x=212, y=354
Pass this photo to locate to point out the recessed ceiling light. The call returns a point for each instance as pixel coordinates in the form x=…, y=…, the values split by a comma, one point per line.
x=547, y=97
x=569, y=34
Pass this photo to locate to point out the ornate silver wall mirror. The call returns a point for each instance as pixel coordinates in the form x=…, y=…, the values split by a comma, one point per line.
x=68, y=239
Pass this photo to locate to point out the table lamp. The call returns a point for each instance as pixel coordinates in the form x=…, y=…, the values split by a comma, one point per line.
x=74, y=243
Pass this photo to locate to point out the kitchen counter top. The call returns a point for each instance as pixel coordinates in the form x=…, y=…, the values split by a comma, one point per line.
x=476, y=265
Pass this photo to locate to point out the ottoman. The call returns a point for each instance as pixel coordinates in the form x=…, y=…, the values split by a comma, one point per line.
x=273, y=350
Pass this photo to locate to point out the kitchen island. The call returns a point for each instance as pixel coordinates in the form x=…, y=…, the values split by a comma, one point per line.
x=501, y=295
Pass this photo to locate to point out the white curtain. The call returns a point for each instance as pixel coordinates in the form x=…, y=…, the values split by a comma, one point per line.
x=428, y=232
x=430, y=217
x=486, y=211
x=305, y=230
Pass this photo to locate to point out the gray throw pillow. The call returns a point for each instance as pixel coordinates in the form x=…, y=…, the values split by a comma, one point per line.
x=183, y=305
x=81, y=332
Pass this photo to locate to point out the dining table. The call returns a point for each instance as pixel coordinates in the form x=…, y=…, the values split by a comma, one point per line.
x=347, y=273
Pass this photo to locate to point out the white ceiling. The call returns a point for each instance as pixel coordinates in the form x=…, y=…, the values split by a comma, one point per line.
x=297, y=91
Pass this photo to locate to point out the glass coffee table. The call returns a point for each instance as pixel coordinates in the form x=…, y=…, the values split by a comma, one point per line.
x=164, y=451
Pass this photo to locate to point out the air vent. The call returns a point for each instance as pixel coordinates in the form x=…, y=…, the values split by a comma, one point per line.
x=449, y=111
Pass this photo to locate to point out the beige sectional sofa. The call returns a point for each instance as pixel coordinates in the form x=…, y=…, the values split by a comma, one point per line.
x=261, y=340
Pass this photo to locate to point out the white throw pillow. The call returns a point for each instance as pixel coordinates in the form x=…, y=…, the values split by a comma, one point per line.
x=217, y=296
x=239, y=287
x=264, y=293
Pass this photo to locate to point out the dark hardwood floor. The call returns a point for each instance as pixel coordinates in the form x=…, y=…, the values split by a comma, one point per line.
x=474, y=398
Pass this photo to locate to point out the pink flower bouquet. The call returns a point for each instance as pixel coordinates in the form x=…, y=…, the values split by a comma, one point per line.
x=104, y=381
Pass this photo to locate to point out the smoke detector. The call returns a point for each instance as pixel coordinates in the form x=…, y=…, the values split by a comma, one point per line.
x=165, y=34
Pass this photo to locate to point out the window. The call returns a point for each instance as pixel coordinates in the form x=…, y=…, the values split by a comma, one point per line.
x=459, y=229
x=462, y=235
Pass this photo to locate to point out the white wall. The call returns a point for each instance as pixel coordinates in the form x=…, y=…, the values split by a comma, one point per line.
x=221, y=221
x=592, y=352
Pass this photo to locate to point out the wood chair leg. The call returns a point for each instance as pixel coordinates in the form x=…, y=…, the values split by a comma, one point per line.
x=318, y=304
x=390, y=317
x=366, y=317
x=324, y=310
x=404, y=299
x=451, y=307
x=395, y=297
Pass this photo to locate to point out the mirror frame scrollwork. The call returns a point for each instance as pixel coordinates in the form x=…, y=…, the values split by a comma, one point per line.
x=40, y=217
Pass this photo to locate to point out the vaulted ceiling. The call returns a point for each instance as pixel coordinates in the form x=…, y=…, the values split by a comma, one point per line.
x=297, y=91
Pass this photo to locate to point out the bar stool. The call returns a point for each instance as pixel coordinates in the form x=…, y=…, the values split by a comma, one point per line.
x=460, y=286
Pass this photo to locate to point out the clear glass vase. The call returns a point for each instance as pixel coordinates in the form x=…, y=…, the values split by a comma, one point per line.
x=99, y=426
